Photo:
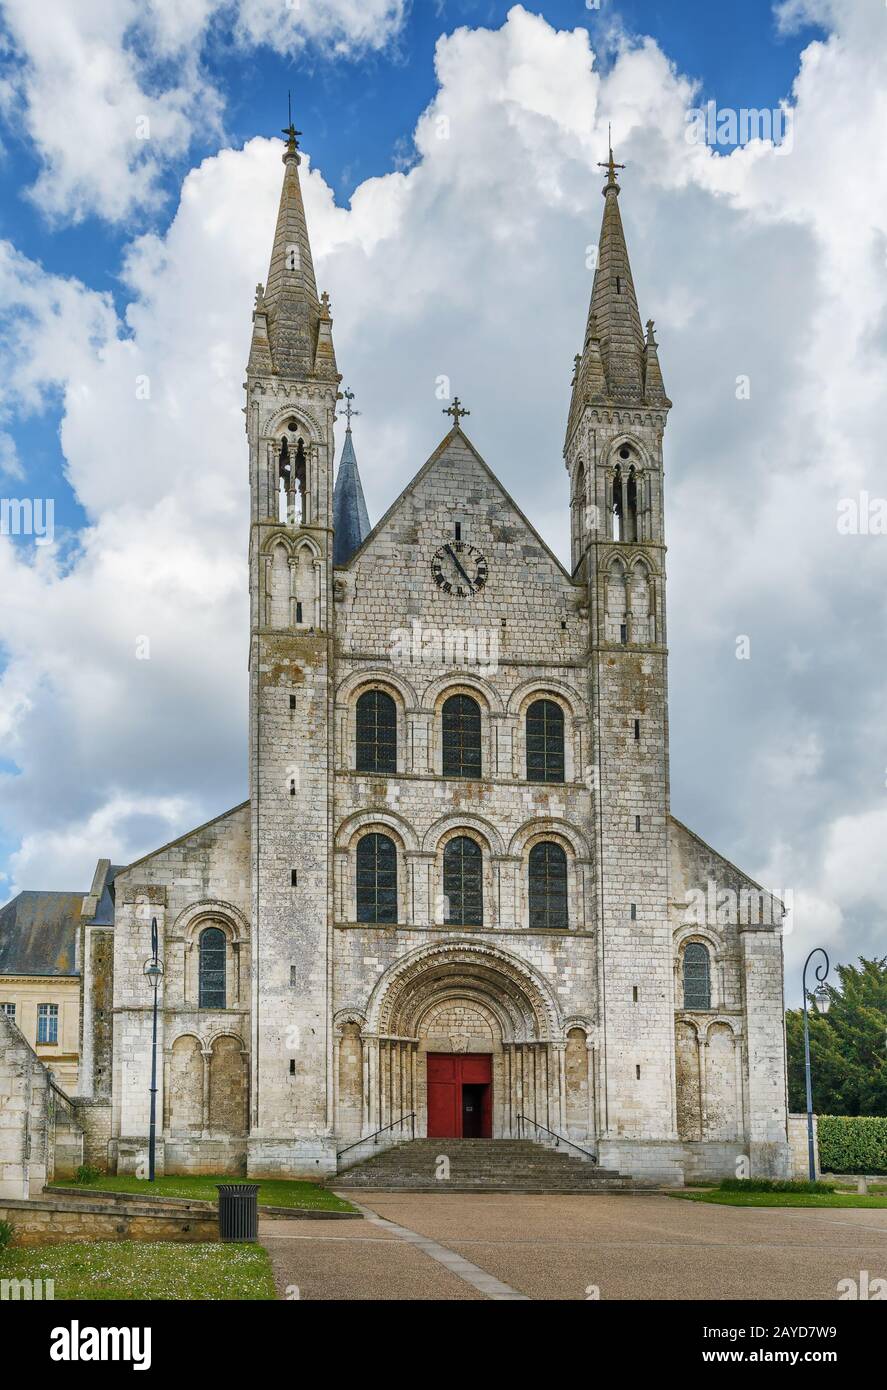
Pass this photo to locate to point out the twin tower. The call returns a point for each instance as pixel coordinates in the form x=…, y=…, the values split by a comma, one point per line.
x=351, y=1015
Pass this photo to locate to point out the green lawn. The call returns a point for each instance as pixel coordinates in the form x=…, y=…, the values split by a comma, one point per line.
x=273, y=1192
x=107, y=1269
x=781, y=1199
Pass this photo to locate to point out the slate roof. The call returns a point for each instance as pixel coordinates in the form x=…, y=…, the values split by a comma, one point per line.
x=38, y=933
x=351, y=522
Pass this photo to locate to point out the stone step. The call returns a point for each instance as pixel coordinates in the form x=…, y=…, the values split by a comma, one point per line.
x=495, y=1165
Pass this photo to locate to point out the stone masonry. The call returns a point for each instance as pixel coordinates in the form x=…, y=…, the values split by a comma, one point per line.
x=294, y=1020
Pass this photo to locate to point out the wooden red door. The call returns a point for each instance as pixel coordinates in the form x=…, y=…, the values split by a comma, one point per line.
x=444, y=1096
x=447, y=1073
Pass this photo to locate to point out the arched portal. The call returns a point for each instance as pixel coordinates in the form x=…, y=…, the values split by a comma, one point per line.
x=465, y=1015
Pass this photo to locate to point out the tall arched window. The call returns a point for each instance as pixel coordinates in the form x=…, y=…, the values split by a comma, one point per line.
x=545, y=742
x=284, y=482
x=376, y=879
x=578, y=513
x=461, y=737
x=376, y=732
x=617, y=504
x=548, y=886
x=463, y=882
x=300, y=485
x=697, y=976
x=212, y=968
x=631, y=506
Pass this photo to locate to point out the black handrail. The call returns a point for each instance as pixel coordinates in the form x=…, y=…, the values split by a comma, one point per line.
x=376, y=1132
x=558, y=1138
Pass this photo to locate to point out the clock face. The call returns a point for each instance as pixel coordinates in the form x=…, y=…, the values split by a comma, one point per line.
x=459, y=568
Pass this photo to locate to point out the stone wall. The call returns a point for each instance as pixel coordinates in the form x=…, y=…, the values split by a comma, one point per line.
x=94, y=1117
x=199, y=881
x=797, y=1138
x=50, y=1220
x=26, y=1129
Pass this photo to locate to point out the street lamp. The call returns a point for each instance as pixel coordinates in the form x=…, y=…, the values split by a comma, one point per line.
x=153, y=974
x=821, y=999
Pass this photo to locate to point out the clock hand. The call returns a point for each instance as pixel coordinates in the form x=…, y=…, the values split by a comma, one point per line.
x=452, y=556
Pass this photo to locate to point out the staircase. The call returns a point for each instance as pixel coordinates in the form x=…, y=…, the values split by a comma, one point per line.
x=480, y=1165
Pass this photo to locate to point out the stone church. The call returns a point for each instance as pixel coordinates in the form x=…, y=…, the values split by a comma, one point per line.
x=456, y=904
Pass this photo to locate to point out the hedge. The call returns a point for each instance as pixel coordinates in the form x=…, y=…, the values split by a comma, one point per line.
x=852, y=1143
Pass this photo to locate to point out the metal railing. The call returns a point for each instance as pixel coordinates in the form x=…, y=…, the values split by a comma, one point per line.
x=558, y=1138
x=411, y=1118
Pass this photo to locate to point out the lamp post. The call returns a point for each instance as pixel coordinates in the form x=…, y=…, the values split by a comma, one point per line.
x=153, y=974
x=821, y=1000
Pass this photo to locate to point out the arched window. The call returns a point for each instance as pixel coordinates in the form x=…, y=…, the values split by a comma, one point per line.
x=284, y=475
x=376, y=732
x=548, y=886
x=578, y=514
x=617, y=504
x=615, y=618
x=631, y=506
x=697, y=976
x=212, y=968
x=545, y=742
x=292, y=480
x=461, y=737
x=376, y=879
x=300, y=481
x=463, y=882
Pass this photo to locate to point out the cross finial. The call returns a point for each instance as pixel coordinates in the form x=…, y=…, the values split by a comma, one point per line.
x=611, y=166
x=456, y=410
x=349, y=410
x=292, y=135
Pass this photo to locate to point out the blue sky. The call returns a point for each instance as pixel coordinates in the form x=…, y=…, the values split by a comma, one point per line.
x=117, y=257
x=358, y=114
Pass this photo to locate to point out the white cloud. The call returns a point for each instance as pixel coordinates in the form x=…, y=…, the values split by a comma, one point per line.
x=472, y=264
x=111, y=91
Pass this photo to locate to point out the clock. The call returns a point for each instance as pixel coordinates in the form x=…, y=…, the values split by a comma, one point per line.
x=459, y=568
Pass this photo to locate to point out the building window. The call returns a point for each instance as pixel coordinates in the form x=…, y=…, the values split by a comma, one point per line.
x=376, y=879
x=463, y=882
x=8, y=1010
x=461, y=737
x=697, y=977
x=376, y=732
x=47, y=1023
x=548, y=886
x=212, y=968
x=545, y=742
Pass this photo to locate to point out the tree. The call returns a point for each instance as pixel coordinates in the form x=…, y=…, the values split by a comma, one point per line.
x=848, y=1045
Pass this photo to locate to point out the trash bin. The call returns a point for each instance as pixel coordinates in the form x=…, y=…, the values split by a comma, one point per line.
x=238, y=1210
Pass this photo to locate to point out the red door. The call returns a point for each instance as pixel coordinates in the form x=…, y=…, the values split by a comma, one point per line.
x=460, y=1095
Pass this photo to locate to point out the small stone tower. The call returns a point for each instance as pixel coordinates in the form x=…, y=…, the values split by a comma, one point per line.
x=292, y=388
x=613, y=455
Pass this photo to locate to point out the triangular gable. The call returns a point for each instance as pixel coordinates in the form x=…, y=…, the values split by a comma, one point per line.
x=183, y=839
x=456, y=435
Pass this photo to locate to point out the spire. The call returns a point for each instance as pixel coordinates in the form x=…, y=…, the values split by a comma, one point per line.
x=351, y=522
x=296, y=324
x=617, y=364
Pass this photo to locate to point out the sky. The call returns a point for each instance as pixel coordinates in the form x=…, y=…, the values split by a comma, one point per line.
x=450, y=179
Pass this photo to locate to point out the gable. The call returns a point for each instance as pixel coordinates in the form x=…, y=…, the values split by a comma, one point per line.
x=695, y=868
x=525, y=584
x=195, y=846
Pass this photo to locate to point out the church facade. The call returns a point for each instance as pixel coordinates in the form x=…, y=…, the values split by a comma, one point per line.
x=455, y=903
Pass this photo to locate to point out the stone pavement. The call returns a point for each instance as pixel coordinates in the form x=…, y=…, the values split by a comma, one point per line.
x=439, y=1246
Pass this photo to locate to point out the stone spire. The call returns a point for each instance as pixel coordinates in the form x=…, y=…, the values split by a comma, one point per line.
x=616, y=360
x=351, y=522
x=295, y=323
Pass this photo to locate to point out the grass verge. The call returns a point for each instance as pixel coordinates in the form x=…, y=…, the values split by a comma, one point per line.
x=781, y=1199
x=128, y=1269
x=273, y=1192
